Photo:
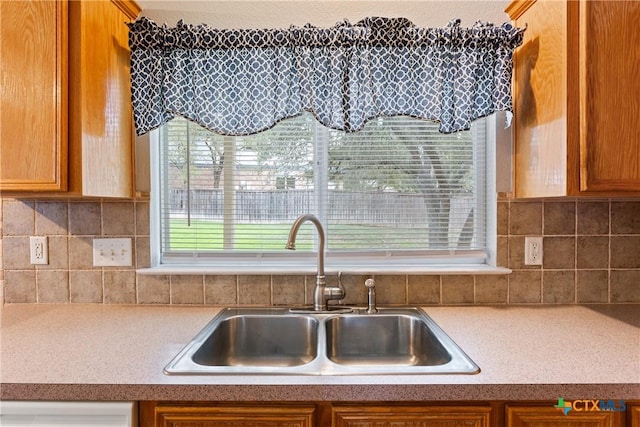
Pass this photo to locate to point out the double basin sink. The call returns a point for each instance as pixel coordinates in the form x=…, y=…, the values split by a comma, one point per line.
x=304, y=342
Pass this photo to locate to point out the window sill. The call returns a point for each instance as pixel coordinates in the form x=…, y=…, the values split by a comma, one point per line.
x=241, y=268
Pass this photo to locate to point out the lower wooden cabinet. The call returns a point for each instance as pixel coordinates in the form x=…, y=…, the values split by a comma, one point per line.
x=410, y=416
x=634, y=415
x=549, y=416
x=381, y=414
x=255, y=415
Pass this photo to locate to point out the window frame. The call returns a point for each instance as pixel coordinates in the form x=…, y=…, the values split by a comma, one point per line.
x=305, y=262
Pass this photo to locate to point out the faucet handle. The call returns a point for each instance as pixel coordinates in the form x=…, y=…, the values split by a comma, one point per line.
x=337, y=292
x=370, y=283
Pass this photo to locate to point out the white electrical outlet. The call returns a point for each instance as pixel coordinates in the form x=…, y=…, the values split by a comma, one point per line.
x=39, y=250
x=533, y=251
x=114, y=252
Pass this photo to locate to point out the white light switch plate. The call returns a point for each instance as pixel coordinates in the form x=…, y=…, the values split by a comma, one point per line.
x=114, y=252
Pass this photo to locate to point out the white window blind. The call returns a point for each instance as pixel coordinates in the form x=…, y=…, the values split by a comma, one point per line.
x=398, y=187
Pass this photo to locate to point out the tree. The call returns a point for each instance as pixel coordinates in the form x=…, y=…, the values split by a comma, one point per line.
x=378, y=165
x=415, y=159
x=285, y=151
x=439, y=176
x=396, y=158
x=210, y=147
x=204, y=154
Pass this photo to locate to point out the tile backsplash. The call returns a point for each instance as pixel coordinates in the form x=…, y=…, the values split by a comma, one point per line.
x=591, y=255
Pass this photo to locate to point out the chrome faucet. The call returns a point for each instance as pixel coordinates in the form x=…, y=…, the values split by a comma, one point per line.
x=321, y=293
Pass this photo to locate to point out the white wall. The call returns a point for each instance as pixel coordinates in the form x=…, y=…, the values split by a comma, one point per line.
x=322, y=13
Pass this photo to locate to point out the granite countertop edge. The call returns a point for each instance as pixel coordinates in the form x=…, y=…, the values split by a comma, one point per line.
x=315, y=393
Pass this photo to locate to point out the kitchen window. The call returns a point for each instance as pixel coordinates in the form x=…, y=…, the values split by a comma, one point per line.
x=383, y=130
x=397, y=196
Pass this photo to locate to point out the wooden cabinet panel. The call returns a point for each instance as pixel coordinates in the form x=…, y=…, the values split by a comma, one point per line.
x=577, y=98
x=33, y=97
x=410, y=416
x=540, y=107
x=101, y=123
x=193, y=415
x=610, y=95
x=66, y=116
x=634, y=415
x=548, y=416
x=380, y=414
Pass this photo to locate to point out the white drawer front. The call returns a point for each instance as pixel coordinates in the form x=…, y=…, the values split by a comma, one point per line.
x=57, y=414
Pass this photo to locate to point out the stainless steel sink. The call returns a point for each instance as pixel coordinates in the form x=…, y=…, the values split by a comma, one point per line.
x=383, y=339
x=260, y=340
x=281, y=341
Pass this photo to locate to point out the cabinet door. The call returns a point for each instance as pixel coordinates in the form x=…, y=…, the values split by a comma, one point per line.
x=411, y=416
x=610, y=95
x=540, y=99
x=577, y=98
x=548, y=416
x=33, y=95
x=232, y=416
x=634, y=415
x=101, y=123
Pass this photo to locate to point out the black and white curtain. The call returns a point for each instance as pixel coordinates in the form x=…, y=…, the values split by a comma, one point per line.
x=239, y=82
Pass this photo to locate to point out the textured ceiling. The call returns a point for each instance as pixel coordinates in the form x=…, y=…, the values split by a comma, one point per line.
x=323, y=13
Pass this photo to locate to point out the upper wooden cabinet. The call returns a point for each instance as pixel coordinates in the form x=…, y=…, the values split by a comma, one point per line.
x=577, y=98
x=33, y=97
x=67, y=124
x=101, y=133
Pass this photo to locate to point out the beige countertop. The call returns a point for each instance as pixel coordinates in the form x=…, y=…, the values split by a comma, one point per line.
x=108, y=352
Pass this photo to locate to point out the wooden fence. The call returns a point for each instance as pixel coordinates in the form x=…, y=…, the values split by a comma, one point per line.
x=285, y=206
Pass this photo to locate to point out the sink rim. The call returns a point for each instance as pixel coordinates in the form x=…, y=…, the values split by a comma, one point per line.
x=182, y=363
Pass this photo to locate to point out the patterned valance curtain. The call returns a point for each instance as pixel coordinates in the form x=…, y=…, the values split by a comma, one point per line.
x=239, y=82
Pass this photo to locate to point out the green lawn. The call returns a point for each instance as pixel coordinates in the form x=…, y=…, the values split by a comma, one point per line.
x=208, y=235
